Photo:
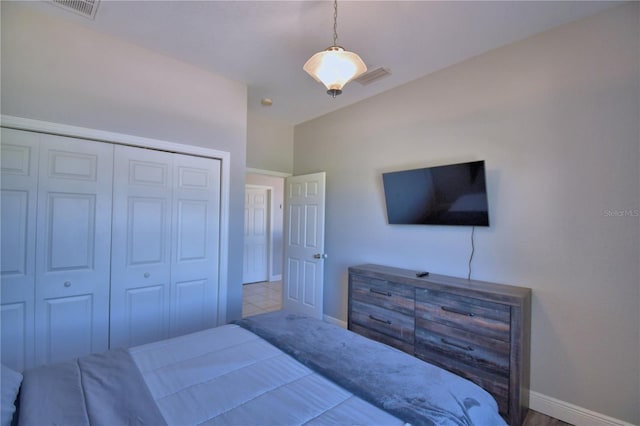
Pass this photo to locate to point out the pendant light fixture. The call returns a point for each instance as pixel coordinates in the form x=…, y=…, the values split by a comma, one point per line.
x=334, y=67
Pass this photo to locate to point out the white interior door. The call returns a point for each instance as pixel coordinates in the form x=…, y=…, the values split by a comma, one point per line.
x=256, y=235
x=18, y=220
x=195, y=242
x=73, y=248
x=141, y=248
x=304, y=244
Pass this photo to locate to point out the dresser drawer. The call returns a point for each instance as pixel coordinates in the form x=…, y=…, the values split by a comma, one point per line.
x=383, y=338
x=386, y=294
x=383, y=321
x=496, y=385
x=479, y=352
x=472, y=315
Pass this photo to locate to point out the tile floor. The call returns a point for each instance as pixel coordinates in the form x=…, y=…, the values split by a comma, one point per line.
x=258, y=298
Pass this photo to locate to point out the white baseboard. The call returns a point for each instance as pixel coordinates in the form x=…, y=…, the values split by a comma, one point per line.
x=275, y=278
x=570, y=413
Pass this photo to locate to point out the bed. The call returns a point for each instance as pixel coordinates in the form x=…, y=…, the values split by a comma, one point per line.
x=271, y=369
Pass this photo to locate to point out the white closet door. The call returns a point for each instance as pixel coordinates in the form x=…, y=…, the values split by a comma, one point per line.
x=141, y=249
x=18, y=221
x=73, y=248
x=165, y=252
x=196, y=239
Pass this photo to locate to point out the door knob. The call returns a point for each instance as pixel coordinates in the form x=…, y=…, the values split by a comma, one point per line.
x=67, y=283
x=147, y=275
x=320, y=256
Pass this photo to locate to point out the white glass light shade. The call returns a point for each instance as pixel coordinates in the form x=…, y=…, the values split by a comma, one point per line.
x=334, y=68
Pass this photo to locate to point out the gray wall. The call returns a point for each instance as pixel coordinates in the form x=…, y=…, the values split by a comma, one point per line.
x=269, y=144
x=556, y=119
x=59, y=71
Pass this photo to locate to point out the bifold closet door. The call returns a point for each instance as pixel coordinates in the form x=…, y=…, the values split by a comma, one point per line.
x=73, y=248
x=195, y=244
x=165, y=256
x=56, y=236
x=141, y=246
x=18, y=220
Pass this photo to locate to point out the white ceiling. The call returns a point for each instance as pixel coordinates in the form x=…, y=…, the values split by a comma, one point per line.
x=265, y=43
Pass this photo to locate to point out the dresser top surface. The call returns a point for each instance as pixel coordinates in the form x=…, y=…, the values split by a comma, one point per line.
x=445, y=282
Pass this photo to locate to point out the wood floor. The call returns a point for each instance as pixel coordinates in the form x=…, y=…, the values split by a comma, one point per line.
x=538, y=419
x=264, y=297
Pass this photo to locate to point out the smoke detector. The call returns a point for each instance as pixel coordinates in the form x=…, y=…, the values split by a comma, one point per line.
x=86, y=8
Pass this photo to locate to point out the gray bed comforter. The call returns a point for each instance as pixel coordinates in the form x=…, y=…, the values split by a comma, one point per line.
x=112, y=389
x=99, y=389
x=410, y=389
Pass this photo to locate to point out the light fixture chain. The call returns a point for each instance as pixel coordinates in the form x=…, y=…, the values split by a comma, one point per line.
x=335, y=22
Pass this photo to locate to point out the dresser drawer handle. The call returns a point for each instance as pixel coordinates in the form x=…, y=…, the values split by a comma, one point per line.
x=455, y=345
x=382, y=293
x=380, y=320
x=456, y=311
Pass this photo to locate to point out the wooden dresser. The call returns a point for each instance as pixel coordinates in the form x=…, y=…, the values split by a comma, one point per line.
x=476, y=329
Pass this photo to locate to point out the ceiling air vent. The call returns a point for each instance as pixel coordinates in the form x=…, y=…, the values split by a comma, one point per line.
x=373, y=75
x=86, y=8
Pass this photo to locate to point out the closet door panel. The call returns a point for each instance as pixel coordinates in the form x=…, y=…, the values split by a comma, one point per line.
x=15, y=229
x=17, y=334
x=70, y=242
x=146, y=229
x=69, y=316
x=194, y=269
x=190, y=307
x=146, y=311
x=73, y=248
x=19, y=191
x=141, y=250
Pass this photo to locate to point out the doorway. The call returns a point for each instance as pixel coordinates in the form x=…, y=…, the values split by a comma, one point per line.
x=265, y=294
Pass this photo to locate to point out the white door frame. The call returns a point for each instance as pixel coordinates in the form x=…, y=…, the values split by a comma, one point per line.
x=270, y=247
x=20, y=123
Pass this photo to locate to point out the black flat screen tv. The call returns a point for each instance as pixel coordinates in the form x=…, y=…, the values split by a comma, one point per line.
x=454, y=194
